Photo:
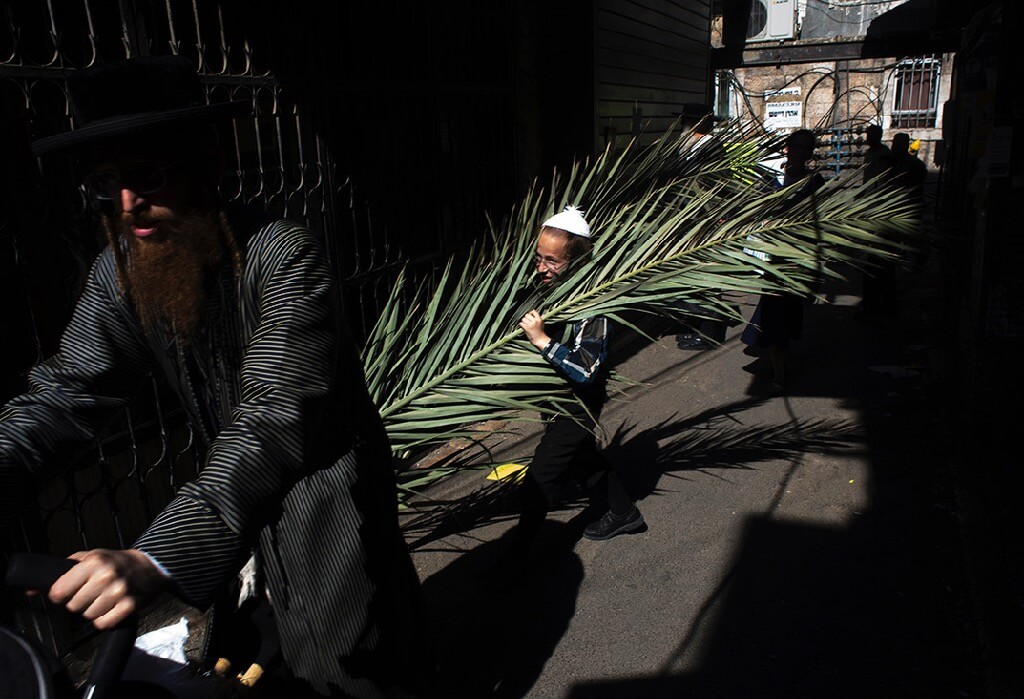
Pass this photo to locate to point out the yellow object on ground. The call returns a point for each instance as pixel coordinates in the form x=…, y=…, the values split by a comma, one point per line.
x=507, y=472
x=223, y=666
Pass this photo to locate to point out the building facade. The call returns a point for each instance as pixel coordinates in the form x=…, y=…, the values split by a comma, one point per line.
x=838, y=99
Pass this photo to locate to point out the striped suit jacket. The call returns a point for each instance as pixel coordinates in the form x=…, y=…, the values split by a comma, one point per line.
x=298, y=465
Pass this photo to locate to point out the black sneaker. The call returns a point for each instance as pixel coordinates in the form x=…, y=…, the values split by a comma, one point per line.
x=612, y=524
x=688, y=341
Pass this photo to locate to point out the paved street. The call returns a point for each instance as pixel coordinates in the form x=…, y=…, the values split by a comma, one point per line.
x=798, y=545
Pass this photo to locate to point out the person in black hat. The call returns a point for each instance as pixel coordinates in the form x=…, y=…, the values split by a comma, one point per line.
x=704, y=328
x=238, y=311
x=878, y=283
x=697, y=121
x=778, y=317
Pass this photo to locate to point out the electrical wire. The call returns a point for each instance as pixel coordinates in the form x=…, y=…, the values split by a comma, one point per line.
x=860, y=3
x=839, y=20
x=873, y=102
x=789, y=82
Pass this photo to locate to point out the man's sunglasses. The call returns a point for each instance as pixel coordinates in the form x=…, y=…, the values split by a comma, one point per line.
x=147, y=177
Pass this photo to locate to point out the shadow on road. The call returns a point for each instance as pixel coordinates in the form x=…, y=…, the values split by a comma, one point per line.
x=496, y=624
x=811, y=611
x=877, y=607
x=715, y=438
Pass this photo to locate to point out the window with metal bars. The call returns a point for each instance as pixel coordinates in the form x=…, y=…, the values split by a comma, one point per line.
x=915, y=102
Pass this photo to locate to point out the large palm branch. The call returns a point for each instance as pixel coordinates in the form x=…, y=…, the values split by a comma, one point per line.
x=669, y=227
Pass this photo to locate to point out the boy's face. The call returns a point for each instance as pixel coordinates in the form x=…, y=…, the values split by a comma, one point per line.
x=551, y=256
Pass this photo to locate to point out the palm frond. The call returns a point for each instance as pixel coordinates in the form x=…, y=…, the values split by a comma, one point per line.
x=669, y=227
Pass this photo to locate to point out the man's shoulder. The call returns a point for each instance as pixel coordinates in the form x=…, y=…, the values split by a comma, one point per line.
x=285, y=246
x=104, y=269
x=276, y=235
x=910, y=164
x=877, y=151
x=283, y=229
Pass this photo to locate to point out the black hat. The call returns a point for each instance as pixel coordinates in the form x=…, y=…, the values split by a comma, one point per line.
x=696, y=110
x=134, y=95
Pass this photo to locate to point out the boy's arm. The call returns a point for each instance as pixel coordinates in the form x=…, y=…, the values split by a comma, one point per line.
x=581, y=359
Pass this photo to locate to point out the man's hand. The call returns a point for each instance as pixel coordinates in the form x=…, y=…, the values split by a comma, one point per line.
x=533, y=326
x=108, y=586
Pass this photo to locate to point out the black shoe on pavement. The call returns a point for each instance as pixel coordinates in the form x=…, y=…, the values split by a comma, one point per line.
x=612, y=524
x=689, y=341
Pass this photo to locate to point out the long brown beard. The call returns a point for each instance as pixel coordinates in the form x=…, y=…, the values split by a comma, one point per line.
x=169, y=273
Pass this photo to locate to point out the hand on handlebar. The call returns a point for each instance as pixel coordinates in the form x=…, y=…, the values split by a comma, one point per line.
x=107, y=586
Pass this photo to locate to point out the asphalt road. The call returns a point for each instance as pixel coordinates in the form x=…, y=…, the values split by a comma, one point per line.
x=799, y=545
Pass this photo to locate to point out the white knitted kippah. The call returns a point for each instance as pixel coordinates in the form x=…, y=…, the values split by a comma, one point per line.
x=570, y=220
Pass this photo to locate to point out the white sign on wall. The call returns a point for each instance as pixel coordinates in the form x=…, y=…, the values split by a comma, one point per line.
x=783, y=115
x=782, y=92
x=783, y=109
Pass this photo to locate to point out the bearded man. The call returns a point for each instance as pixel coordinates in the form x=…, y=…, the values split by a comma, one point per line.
x=238, y=311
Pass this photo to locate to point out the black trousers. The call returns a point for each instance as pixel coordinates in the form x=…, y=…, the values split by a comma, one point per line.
x=568, y=451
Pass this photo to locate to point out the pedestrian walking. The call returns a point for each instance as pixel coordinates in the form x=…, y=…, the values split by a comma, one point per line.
x=568, y=448
x=877, y=156
x=911, y=172
x=877, y=283
x=778, y=317
x=704, y=327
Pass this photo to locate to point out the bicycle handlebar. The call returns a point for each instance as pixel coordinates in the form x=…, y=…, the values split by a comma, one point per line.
x=33, y=571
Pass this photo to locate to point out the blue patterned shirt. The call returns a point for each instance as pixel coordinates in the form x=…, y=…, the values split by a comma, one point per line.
x=581, y=358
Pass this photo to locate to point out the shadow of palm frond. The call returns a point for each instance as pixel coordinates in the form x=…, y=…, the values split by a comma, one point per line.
x=675, y=424
x=434, y=519
x=675, y=446
x=712, y=439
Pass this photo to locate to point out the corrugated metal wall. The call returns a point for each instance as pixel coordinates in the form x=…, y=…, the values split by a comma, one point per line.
x=651, y=57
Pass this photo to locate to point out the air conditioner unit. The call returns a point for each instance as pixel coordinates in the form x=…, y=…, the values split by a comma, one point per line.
x=771, y=20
